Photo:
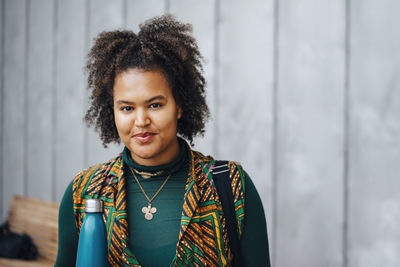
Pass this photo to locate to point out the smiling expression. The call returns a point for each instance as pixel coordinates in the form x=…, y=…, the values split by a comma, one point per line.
x=146, y=116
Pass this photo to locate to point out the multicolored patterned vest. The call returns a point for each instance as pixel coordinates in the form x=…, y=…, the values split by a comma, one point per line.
x=203, y=239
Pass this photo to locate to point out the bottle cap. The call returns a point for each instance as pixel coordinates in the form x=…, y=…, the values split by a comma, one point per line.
x=93, y=205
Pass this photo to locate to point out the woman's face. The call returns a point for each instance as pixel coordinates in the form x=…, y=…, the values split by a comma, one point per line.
x=146, y=116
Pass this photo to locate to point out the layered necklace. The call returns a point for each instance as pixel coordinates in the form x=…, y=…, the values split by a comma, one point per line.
x=149, y=210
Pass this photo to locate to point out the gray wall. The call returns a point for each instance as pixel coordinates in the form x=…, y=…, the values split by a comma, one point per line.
x=304, y=93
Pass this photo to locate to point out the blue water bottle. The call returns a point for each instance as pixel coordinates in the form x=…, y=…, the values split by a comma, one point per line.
x=92, y=245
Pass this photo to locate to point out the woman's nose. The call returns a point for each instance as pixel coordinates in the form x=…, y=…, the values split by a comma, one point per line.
x=142, y=119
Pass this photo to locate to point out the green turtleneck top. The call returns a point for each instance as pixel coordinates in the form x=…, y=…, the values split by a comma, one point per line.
x=164, y=227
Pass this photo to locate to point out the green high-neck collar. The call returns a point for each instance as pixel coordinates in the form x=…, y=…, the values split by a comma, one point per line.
x=171, y=167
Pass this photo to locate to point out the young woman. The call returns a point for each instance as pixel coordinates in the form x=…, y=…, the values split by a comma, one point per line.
x=161, y=204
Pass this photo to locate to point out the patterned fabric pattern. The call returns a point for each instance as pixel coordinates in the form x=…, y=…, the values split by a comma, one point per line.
x=203, y=237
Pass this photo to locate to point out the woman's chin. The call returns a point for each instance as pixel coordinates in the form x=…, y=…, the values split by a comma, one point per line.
x=140, y=156
x=145, y=155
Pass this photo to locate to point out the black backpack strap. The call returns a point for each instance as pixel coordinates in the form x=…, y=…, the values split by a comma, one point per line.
x=224, y=190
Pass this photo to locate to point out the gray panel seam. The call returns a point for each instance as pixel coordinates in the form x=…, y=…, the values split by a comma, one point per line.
x=54, y=104
x=85, y=129
x=346, y=134
x=3, y=20
x=167, y=8
x=26, y=100
x=215, y=117
x=124, y=13
x=274, y=165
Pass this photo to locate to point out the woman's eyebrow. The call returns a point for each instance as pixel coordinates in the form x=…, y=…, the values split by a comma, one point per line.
x=119, y=102
x=158, y=97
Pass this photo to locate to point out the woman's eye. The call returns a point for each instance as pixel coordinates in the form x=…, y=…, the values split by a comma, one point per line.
x=127, y=108
x=155, y=105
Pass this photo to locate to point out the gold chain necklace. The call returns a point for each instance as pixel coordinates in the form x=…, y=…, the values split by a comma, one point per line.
x=146, y=175
x=149, y=210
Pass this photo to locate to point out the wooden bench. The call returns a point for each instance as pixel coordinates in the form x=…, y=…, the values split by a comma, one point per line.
x=38, y=219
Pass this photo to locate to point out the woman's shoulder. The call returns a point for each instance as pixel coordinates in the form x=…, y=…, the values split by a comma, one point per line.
x=110, y=168
x=214, y=161
x=210, y=163
x=230, y=165
x=92, y=180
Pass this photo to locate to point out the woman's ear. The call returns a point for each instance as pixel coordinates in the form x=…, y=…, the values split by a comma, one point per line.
x=179, y=113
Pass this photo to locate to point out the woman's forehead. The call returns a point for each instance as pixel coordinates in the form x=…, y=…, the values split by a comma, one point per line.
x=140, y=84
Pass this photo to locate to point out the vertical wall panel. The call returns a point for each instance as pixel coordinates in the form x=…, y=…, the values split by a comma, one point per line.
x=139, y=11
x=310, y=133
x=374, y=191
x=70, y=92
x=244, y=98
x=14, y=100
x=104, y=16
x=201, y=14
x=40, y=99
x=1, y=107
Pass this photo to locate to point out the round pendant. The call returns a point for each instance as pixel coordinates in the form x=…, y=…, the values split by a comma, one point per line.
x=145, y=210
x=149, y=211
x=148, y=216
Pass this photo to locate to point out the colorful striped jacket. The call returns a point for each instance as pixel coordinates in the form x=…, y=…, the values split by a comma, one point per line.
x=203, y=239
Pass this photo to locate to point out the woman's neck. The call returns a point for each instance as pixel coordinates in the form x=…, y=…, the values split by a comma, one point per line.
x=170, y=167
x=166, y=156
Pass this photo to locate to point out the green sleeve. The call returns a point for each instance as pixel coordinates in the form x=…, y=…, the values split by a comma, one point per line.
x=67, y=232
x=254, y=239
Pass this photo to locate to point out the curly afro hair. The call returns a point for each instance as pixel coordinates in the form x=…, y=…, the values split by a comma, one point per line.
x=162, y=44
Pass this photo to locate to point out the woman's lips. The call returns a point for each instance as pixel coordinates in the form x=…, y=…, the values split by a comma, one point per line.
x=144, y=137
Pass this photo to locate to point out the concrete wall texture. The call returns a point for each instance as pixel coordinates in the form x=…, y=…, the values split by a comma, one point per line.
x=304, y=93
